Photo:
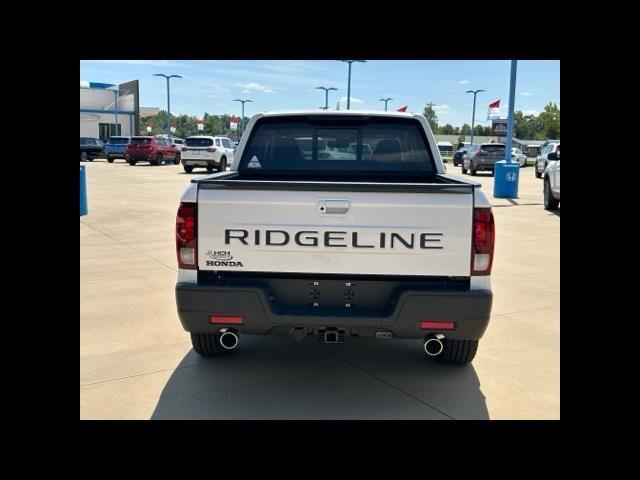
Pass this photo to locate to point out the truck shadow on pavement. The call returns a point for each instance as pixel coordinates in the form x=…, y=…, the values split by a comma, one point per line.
x=275, y=377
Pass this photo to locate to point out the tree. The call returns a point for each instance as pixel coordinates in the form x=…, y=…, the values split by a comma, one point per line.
x=465, y=130
x=550, y=120
x=430, y=114
x=456, y=131
x=447, y=130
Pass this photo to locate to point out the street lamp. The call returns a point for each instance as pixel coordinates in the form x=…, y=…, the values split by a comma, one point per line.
x=349, y=81
x=473, y=115
x=168, y=77
x=326, y=95
x=385, y=100
x=242, y=119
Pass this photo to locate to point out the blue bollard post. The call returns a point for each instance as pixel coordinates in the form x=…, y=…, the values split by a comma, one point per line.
x=83, y=191
x=505, y=182
x=507, y=172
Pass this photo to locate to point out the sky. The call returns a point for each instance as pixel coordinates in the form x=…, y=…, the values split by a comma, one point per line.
x=212, y=85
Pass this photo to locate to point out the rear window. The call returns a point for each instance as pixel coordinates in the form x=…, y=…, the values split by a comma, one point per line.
x=118, y=141
x=140, y=141
x=493, y=148
x=445, y=148
x=337, y=145
x=198, y=142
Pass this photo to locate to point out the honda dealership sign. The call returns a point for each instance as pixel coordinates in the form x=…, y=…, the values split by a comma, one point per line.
x=499, y=127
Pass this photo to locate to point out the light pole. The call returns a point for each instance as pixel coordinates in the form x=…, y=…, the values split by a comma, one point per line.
x=385, y=100
x=473, y=115
x=326, y=95
x=349, y=80
x=242, y=119
x=168, y=77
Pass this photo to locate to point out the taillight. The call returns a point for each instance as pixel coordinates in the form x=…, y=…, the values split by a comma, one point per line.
x=483, y=241
x=186, y=240
x=211, y=149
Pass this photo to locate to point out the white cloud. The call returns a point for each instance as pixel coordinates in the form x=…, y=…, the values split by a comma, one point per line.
x=441, y=108
x=255, y=86
x=463, y=82
x=526, y=94
x=353, y=100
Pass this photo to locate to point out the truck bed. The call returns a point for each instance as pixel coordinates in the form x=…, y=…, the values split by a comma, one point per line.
x=305, y=224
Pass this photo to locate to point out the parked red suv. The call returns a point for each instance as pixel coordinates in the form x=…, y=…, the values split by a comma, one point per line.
x=154, y=150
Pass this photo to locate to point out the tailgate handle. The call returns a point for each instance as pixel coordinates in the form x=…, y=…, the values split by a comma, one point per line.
x=335, y=207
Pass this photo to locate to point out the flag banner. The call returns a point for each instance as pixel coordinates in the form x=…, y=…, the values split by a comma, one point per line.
x=494, y=110
x=403, y=109
x=233, y=123
x=148, y=128
x=200, y=125
x=173, y=129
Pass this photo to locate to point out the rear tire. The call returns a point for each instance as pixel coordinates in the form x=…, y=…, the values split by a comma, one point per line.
x=132, y=162
x=207, y=345
x=109, y=159
x=176, y=160
x=188, y=168
x=159, y=160
x=209, y=168
x=458, y=352
x=538, y=174
x=83, y=156
x=550, y=203
x=223, y=165
x=464, y=170
x=473, y=170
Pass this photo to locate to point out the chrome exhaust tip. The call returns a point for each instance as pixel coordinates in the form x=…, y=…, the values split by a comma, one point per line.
x=229, y=339
x=433, y=345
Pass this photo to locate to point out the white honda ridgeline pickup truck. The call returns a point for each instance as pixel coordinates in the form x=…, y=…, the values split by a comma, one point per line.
x=336, y=224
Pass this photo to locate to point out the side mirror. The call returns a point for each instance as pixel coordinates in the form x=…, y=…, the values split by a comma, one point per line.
x=553, y=156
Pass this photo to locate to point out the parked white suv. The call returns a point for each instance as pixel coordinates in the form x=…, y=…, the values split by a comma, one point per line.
x=542, y=159
x=207, y=152
x=552, y=181
x=518, y=156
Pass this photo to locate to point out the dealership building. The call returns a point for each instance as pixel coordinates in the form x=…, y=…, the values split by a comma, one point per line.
x=107, y=110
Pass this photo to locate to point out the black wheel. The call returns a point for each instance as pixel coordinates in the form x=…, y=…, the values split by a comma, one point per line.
x=209, y=168
x=464, y=170
x=83, y=156
x=131, y=162
x=472, y=170
x=109, y=159
x=207, y=344
x=458, y=352
x=188, y=168
x=550, y=203
x=159, y=159
x=176, y=160
x=223, y=165
x=538, y=174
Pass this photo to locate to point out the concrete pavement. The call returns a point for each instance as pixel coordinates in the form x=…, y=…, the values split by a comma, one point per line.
x=136, y=362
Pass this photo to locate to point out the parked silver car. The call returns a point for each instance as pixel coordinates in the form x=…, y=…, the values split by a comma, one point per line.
x=482, y=156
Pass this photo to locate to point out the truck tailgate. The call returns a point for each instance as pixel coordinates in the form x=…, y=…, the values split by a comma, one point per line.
x=254, y=229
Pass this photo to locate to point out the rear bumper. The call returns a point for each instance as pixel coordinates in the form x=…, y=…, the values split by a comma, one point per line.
x=469, y=309
x=138, y=157
x=199, y=162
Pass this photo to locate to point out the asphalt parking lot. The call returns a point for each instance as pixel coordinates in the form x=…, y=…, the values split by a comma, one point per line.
x=136, y=362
